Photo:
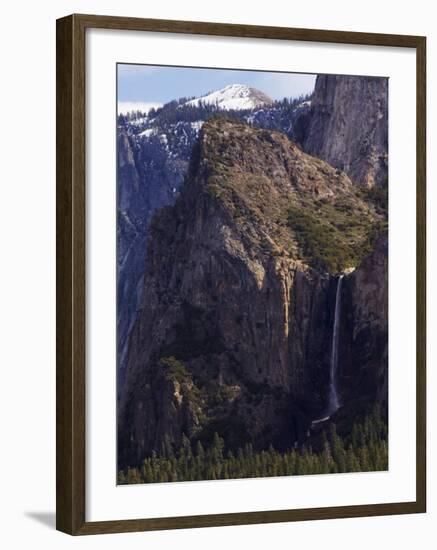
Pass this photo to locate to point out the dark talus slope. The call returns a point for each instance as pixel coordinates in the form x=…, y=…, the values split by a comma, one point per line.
x=348, y=126
x=235, y=328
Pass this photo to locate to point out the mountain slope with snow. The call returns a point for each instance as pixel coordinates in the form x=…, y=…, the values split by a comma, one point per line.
x=234, y=97
x=126, y=107
x=154, y=148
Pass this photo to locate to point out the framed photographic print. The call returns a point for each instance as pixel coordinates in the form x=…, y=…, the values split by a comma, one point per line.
x=240, y=274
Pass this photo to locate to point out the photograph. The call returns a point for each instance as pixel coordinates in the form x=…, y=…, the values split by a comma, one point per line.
x=252, y=274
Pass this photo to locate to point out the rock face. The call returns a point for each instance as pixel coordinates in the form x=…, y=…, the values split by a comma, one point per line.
x=147, y=180
x=348, y=126
x=234, y=332
x=153, y=157
x=364, y=337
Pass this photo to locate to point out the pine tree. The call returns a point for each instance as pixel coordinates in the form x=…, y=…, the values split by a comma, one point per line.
x=217, y=449
x=327, y=460
x=363, y=455
x=338, y=453
x=167, y=448
x=352, y=462
x=367, y=450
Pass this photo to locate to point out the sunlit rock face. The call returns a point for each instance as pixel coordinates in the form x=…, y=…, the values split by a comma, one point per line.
x=348, y=126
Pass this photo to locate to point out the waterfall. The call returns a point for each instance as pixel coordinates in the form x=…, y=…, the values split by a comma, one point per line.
x=334, y=402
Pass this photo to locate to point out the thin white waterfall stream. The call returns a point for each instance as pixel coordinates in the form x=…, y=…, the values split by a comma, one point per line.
x=334, y=401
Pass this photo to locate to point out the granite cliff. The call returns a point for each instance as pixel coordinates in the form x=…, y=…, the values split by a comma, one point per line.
x=154, y=149
x=348, y=126
x=364, y=338
x=234, y=330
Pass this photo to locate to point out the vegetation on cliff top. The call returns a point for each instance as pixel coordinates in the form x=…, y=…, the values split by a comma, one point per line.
x=331, y=236
x=309, y=210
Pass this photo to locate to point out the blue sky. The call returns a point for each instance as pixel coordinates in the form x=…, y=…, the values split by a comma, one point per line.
x=150, y=84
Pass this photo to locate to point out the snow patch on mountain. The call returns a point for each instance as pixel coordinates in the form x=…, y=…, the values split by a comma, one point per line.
x=235, y=97
x=148, y=132
x=126, y=107
x=197, y=125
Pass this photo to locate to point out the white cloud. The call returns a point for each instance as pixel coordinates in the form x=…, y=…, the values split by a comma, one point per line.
x=125, y=107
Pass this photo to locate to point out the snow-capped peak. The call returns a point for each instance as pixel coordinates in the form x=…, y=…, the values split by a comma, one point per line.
x=233, y=96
